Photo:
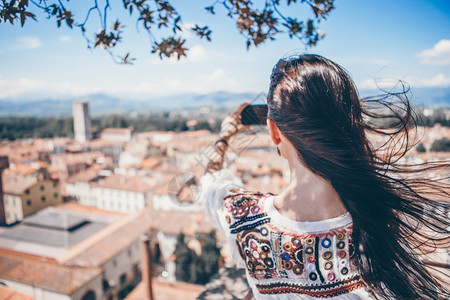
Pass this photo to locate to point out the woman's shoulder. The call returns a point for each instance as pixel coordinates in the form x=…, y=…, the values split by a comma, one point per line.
x=242, y=205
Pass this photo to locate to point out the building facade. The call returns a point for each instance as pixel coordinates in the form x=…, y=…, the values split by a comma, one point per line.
x=25, y=195
x=73, y=253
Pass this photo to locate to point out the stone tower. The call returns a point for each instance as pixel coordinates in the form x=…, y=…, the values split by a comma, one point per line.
x=81, y=121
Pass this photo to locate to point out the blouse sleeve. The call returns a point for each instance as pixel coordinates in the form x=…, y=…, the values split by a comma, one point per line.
x=214, y=187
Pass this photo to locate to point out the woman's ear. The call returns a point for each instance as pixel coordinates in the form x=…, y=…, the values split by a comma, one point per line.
x=274, y=131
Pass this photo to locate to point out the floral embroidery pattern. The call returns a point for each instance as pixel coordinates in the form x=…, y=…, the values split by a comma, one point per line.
x=323, y=261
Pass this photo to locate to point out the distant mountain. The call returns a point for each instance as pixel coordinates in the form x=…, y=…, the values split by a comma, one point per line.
x=105, y=104
x=426, y=97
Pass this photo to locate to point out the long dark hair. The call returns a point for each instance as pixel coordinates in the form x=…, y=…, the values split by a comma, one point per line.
x=398, y=214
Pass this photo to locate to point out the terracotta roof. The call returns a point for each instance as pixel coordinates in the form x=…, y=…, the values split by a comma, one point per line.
x=113, y=240
x=174, y=222
x=150, y=163
x=156, y=134
x=166, y=167
x=117, y=130
x=195, y=133
x=8, y=294
x=161, y=191
x=74, y=147
x=22, y=169
x=163, y=290
x=121, y=182
x=34, y=272
x=85, y=175
x=75, y=206
x=100, y=143
x=16, y=184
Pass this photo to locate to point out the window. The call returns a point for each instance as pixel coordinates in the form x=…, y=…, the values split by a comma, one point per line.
x=29, y=202
x=54, y=184
x=43, y=199
x=123, y=279
x=90, y=295
x=42, y=188
x=56, y=195
x=27, y=191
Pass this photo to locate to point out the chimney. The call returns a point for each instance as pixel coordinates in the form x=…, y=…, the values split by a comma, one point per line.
x=147, y=265
x=3, y=165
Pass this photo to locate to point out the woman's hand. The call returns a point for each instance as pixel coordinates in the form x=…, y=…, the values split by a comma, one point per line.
x=232, y=123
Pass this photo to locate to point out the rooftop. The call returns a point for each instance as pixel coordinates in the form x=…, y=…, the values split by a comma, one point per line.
x=163, y=290
x=32, y=271
x=87, y=175
x=52, y=231
x=8, y=294
x=174, y=222
x=150, y=162
x=16, y=184
x=126, y=183
x=27, y=169
x=108, y=243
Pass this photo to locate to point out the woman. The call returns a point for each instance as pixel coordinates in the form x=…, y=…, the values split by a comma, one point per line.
x=351, y=224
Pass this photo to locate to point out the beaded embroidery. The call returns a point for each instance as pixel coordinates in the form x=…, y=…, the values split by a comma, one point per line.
x=279, y=261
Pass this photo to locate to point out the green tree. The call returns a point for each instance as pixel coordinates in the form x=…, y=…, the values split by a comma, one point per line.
x=256, y=21
x=184, y=258
x=421, y=148
x=113, y=121
x=208, y=262
x=441, y=145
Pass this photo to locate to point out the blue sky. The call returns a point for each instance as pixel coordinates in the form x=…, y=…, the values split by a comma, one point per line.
x=376, y=41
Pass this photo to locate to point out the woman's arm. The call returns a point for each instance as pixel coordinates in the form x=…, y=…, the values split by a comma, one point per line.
x=231, y=126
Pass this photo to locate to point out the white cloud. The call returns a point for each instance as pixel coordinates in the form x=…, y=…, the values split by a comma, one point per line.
x=217, y=80
x=374, y=83
x=194, y=54
x=65, y=39
x=439, y=80
x=30, y=88
x=27, y=42
x=198, y=53
x=36, y=88
x=439, y=55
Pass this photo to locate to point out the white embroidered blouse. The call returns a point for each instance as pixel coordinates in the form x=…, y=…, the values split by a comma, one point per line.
x=282, y=257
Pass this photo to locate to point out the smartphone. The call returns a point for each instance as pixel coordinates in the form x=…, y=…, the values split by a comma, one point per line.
x=255, y=114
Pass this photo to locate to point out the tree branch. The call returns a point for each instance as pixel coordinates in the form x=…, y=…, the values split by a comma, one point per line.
x=164, y=25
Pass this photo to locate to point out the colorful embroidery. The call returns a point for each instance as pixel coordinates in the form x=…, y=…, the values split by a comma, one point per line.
x=277, y=259
x=319, y=291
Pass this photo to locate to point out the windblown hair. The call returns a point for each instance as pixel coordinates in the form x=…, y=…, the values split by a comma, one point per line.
x=399, y=211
